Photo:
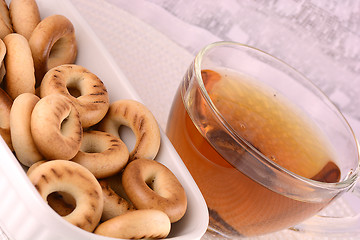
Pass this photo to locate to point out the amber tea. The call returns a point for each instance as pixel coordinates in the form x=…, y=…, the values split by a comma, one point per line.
x=276, y=130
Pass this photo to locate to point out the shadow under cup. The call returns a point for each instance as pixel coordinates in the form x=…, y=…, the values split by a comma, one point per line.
x=258, y=166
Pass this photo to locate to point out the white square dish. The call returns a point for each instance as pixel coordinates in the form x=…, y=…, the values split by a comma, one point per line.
x=24, y=214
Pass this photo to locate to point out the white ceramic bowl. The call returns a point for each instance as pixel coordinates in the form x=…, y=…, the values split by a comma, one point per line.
x=25, y=215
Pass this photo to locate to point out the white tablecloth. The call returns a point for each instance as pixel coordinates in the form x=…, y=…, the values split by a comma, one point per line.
x=320, y=39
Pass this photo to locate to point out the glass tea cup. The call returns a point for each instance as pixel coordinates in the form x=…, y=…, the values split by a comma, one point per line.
x=265, y=146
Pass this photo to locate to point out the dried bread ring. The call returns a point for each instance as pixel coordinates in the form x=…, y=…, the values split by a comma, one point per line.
x=52, y=43
x=74, y=179
x=19, y=65
x=90, y=98
x=56, y=128
x=102, y=154
x=25, y=16
x=5, y=108
x=149, y=223
x=5, y=14
x=136, y=116
x=115, y=183
x=61, y=202
x=114, y=205
x=151, y=185
x=5, y=21
x=22, y=140
x=35, y=165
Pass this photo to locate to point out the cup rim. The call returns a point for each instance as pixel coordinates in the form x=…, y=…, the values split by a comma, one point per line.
x=350, y=178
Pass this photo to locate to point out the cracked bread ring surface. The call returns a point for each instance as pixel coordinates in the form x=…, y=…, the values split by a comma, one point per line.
x=151, y=185
x=90, y=95
x=102, y=153
x=140, y=120
x=52, y=43
x=56, y=127
x=22, y=139
x=19, y=65
x=75, y=180
x=138, y=224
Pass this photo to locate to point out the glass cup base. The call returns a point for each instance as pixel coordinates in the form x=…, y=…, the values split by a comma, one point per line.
x=220, y=228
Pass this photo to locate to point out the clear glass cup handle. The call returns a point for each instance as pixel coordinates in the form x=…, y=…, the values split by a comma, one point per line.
x=333, y=225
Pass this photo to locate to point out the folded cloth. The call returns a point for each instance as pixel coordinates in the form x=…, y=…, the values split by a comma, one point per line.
x=153, y=63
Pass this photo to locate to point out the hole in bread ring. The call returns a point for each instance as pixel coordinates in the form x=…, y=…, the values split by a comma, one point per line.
x=140, y=120
x=52, y=43
x=151, y=185
x=102, y=154
x=61, y=202
x=56, y=128
x=138, y=224
x=83, y=88
x=22, y=139
x=74, y=179
x=114, y=204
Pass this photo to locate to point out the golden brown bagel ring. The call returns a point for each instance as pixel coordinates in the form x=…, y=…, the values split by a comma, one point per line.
x=151, y=185
x=74, y=179
x=61, y=202
x=52, y=43
x=5, y=21
x=136, y=116
x=56, y=127
x=24, y=16
x=22, y=140
x=91, y=99
x=147, y=223
x=5, y=107
x=19, y=66
x=102, y=154
x=114, y=205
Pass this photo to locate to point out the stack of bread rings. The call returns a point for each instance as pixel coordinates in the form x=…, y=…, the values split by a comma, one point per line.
x=57, y=119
